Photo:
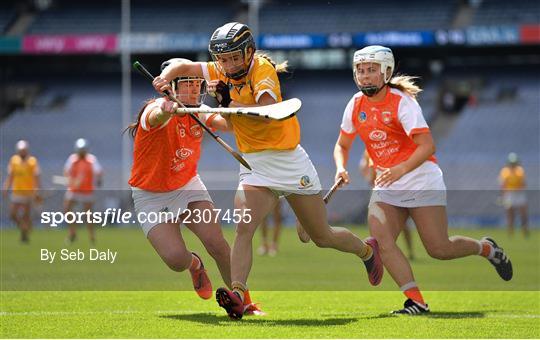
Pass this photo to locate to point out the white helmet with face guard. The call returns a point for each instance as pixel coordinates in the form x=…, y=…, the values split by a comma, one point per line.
x=191, y=90
x=374, y=54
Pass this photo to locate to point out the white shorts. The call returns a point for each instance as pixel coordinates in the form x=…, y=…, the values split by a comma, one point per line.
x=79, y=197
x=283, y=172
x=21, y=199
x=512, y=199
x=150, y=204
x=422, y=187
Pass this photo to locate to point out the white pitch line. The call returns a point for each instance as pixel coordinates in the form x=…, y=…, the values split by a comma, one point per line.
x=52, y=313
x=187, y=312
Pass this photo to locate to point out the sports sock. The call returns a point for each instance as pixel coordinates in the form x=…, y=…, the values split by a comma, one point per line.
x=195, y=263
x=247, y=297
x=412, y=292
x=366, y=253
x=486, y=250
x=239, y=288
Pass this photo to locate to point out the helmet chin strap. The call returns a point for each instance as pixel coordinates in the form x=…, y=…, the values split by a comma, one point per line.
x=371, y=90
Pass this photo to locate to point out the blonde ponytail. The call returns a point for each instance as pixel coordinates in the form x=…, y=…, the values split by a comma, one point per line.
x=405, y=84
x=281, y=67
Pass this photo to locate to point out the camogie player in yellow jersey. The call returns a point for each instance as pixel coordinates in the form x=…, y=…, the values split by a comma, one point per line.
x=23, y=180
x=239, y=76
x=514, y=196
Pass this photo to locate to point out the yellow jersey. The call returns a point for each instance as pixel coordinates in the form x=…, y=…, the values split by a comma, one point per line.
x=253, y=135
x=23, y=173
x=512, y=178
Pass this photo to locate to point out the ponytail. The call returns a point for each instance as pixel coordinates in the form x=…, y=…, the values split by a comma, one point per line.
x=405, y=84
x=132, y=128
x=280, y=68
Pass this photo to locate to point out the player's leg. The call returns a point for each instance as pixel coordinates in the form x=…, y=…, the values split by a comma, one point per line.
x=87, y=206
x=432, y=225
x=211, y=236
x=510, y=220
x=385, y=224
x=276, y=214
x=69, y=204
x=170, y=246
x=524, y=219
x=311, y=213
x=263, y=249
x=26, y=221
x=256, y=203
x=14, y=214
x=408, y=240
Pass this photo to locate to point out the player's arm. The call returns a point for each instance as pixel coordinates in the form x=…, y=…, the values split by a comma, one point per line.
x=218, y=122
x=264, y=99
x=159, y=114
x=502, y=179
x=220, y=91
x=425, y=148
x=341, y=156
x=176, y=69
x=37, y=181
x=7, y=183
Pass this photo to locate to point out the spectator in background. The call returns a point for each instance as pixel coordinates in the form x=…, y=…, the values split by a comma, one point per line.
x=23, y=180
x=512, y=181
x=83, y=172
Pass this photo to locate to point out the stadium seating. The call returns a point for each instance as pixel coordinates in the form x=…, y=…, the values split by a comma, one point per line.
x=354, y=16
x=500, y=12
x=7, y=13
x=105, y=16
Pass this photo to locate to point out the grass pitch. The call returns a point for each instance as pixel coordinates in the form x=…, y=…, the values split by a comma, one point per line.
x=307, y=293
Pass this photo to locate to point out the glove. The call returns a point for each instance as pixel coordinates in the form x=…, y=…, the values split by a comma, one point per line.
x=222, y=94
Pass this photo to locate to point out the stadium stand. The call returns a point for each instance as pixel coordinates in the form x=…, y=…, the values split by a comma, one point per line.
x=103, y=17
x=499, y=12
x=7, y=13
x=353, y=16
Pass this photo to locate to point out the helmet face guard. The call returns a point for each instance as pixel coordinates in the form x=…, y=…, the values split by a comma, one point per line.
x=235, y=64
x=232, y=48
x=373, y=54
x=191, y=91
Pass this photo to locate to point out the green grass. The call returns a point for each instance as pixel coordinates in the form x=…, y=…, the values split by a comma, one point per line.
x=307, y=293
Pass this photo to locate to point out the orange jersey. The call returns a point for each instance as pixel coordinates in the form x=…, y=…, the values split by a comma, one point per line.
x=81, y=172
x=24, y=174
x=512, y=178
x=165, y=157
x=253, y=135
x=385, y=127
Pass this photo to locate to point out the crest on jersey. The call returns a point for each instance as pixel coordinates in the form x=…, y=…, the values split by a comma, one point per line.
x=196, y=131
x=386, y=117
x=304, y=181
x=362, y=117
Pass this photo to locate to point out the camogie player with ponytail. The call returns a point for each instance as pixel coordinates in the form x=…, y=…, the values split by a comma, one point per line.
x=242, y=77
x=164, y=179
x=388, y=119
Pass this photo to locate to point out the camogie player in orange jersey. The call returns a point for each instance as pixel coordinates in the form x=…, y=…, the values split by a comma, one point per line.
x=165, y=183
x=241, y=77
x=83, y=171
x=388, y=119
